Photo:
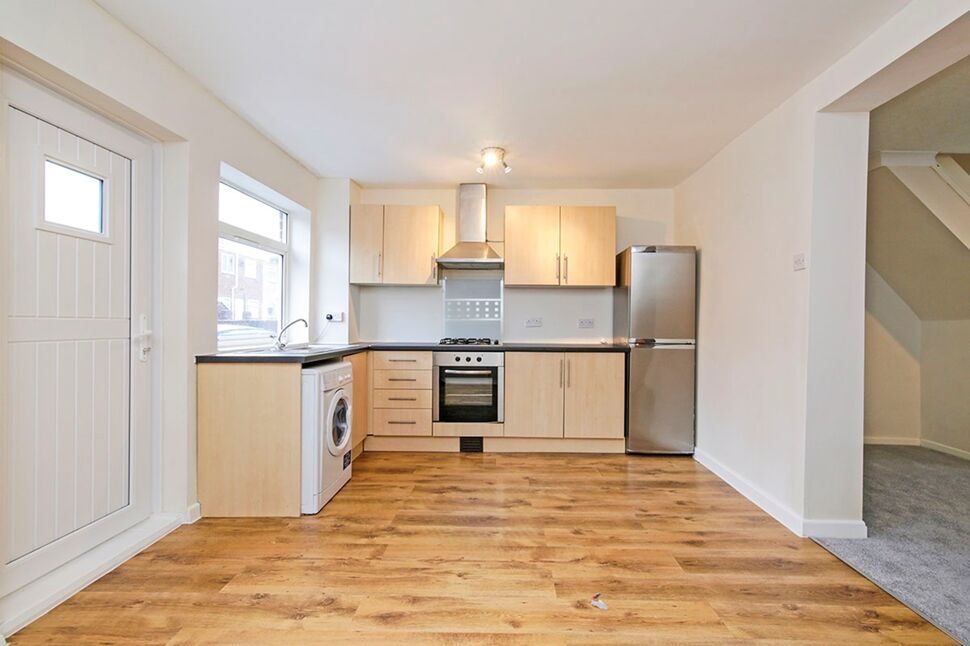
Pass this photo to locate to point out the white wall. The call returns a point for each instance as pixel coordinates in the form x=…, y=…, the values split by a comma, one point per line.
x=113, y=69
x=946, y=386
x=644, y=216
x=780, y=353
x=892, y=382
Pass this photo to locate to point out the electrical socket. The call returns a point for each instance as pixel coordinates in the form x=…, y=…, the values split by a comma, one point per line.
x=534, y=322
x=587, y=324
x=334, y=317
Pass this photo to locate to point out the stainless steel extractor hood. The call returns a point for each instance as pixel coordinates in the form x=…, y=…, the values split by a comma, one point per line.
x=471, y=250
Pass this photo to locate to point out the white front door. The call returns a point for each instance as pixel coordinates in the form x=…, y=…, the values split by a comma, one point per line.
x=76, y=284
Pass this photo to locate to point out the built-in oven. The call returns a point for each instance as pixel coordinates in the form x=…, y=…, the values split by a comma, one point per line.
x=468, y=386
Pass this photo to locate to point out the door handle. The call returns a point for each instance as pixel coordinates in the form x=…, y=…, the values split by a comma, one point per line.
x=568, y=374
x=396, y=422
x=380, y=265
x=565, y=269
x=558, y=267
x=434, y=266
x=468, y=372
x=400, y=379
x=402, y=399
x=144, y=338
x=402, y=360
x=561, y=370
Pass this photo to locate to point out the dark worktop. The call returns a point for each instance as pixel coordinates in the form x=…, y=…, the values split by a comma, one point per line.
x=326, y=353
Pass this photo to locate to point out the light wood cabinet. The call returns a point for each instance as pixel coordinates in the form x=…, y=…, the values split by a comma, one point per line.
x=366, y=243
x=569, y=246
x=594, y=395
x=402, y=360
x=401, y=393
x=403, y=421
x=412, y=237
x=532, y=245
x=361, y=403
x=394, y=245
x=534, y=388
x=587, y=242
x=565, y=394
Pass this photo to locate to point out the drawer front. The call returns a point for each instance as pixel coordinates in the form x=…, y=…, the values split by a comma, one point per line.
x=402, y=399
x=386, y=360
x=395, y=421
x=402, y=379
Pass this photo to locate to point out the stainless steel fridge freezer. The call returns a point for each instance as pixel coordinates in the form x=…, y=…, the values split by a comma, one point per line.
x=655, y=313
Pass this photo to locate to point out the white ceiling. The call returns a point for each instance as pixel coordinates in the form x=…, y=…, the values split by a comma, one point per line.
x=582, y=93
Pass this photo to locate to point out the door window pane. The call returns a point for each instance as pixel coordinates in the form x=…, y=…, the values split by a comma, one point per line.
x=72, y=198
x=250, y=298
x=241, y=210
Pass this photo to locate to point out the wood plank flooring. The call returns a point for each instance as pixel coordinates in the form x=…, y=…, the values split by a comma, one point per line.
x=492, y=549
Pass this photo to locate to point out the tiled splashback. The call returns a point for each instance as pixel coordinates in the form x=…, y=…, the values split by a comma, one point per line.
x=472, y=304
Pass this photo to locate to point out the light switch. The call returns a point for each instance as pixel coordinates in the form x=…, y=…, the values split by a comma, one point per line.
x=799, y=262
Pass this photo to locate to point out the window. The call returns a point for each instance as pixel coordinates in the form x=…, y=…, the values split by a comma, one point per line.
x=252, y=260
x=72, y=198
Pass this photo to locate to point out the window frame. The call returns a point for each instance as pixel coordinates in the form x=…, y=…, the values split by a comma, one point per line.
x=254, y=240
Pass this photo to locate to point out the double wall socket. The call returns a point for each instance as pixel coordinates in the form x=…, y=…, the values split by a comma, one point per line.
x=534, y=322
x=587, y=324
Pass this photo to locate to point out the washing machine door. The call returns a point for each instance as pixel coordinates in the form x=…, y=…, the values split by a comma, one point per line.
x=338, y=423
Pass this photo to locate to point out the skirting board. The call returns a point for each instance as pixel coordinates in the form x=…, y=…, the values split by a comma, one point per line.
x=551, y=445
x=23, y=606
x=943, y=448
x=816, y=527
x=193, y=513
x=419, y=444
x=892, y=441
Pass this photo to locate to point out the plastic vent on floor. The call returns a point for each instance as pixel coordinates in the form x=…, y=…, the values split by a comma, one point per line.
x=470, y=444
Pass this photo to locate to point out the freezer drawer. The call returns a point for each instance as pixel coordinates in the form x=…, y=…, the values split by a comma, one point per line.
x=661, y=399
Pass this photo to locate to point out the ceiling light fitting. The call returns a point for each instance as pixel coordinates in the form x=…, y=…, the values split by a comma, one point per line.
x=493, y=157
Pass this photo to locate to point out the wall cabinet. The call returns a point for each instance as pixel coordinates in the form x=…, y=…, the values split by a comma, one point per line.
x=565, y=394
x=568, y=246
x=394, y=245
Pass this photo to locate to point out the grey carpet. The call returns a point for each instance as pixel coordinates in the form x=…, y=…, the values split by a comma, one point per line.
x=916, y=504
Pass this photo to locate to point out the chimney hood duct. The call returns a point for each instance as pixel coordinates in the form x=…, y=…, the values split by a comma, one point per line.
x=471, y=251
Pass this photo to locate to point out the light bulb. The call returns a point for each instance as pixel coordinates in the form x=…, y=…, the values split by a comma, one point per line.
x=489, y=158
x=508, y=169
x=480, y=170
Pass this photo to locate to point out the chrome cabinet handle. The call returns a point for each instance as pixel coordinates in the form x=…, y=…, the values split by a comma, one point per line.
x=558, y=266
x=565, y=269
x=561, y=370
x=434, y=266
x=400, y=379
x=402, y=360
x=380, y=265
x=396, y=422
x=402, y=399
x=568, y=374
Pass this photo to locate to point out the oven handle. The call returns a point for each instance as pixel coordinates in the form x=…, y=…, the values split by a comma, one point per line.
x=449, y=371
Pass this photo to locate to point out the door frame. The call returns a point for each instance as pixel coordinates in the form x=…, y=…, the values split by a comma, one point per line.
x=34, y=96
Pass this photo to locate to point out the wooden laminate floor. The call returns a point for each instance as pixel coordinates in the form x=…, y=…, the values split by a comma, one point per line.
x=492, y=549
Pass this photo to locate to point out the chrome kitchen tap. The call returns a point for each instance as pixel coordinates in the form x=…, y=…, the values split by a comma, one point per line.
x=279, y=345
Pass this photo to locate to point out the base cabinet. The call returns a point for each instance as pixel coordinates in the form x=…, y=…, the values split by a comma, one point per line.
x=564, y=395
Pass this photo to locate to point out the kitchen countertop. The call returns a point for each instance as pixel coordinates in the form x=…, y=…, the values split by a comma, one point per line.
x=325, y=353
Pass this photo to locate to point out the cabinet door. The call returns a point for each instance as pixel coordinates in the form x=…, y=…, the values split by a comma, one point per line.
x=366, y=242
x=588, y=245
x=411, y=239
x=595, y=394
x=361, y=397
x=533, y=394
x=532, y=245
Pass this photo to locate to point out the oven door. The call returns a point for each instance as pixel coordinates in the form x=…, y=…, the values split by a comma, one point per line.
x=468, y=394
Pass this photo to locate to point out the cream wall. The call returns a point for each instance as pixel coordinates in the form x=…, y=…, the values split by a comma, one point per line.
x=111, y=68
x=644, y=216
x=892, y=382
x=946, y=386
x=780, y=352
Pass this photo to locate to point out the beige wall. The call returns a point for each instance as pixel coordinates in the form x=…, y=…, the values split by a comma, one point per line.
x=892, y=373
x=945, y=380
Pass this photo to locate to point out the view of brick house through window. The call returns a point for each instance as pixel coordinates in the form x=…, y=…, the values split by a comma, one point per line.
x=252, y=254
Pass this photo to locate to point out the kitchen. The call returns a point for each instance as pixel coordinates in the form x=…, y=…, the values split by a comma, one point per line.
x=251, y=252
x=472, y=390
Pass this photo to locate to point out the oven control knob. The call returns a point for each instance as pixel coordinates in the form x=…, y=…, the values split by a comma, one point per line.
x=457, y=358
x=478, y=359
x=468, y=358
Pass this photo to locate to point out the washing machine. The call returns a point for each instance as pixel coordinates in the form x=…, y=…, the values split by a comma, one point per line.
x=327, y=425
